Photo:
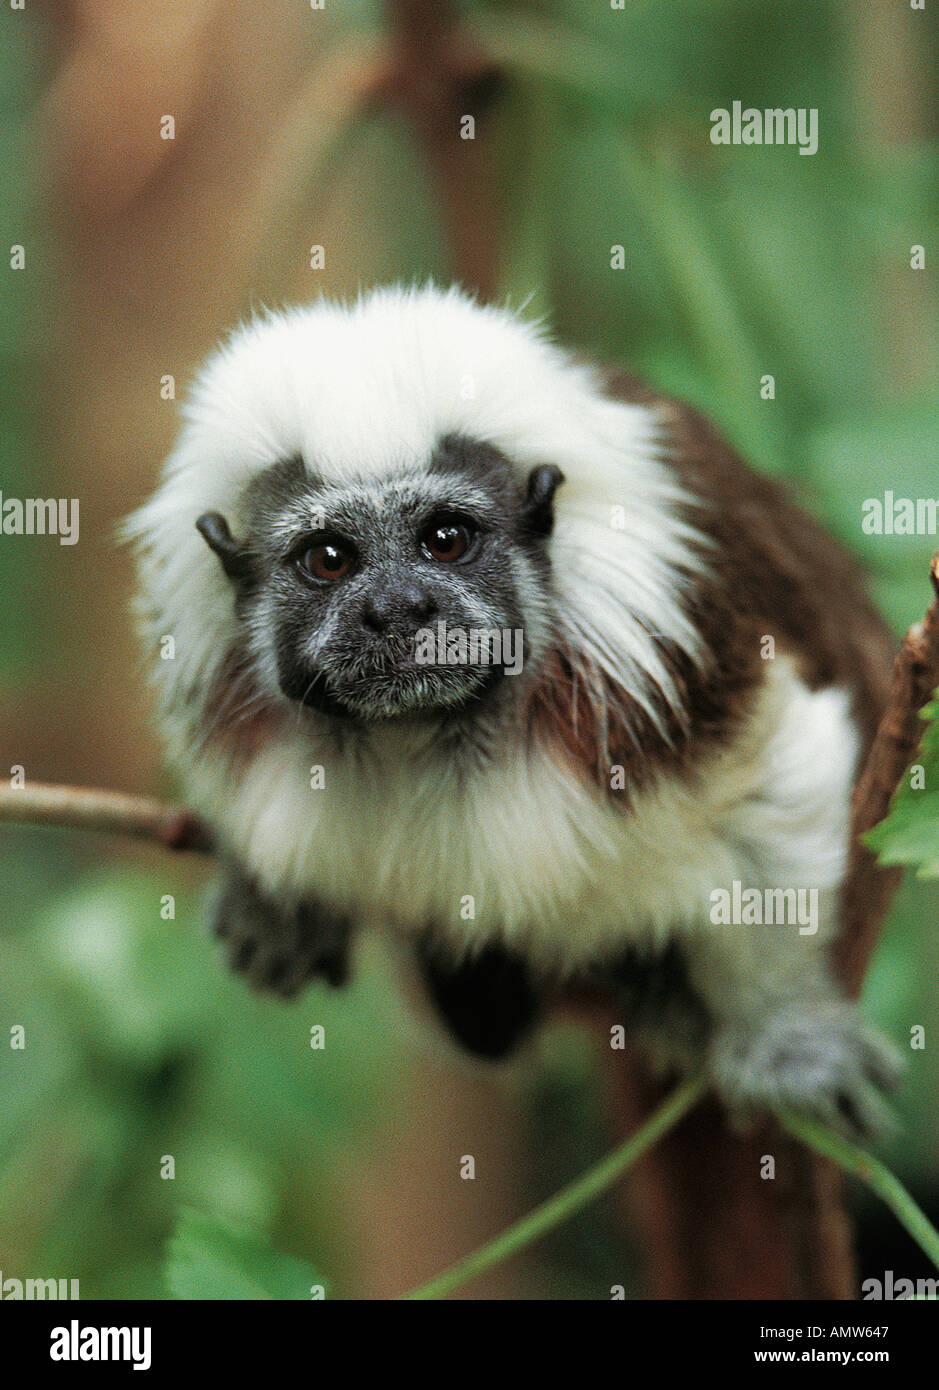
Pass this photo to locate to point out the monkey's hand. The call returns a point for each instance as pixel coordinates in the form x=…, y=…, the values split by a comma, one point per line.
x=279, y=948
x=820, y=1058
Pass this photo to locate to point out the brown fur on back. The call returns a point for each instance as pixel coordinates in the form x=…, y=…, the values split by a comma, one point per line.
x=773, y=571
x=781, y=568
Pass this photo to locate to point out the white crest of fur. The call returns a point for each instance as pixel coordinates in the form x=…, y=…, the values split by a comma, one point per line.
x=366, y=389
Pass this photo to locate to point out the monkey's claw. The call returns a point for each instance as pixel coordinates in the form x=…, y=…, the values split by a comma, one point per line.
x=822, y=1060
x=280, y=949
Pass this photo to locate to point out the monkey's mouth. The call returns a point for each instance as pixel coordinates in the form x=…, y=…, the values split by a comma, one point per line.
x=400, y=692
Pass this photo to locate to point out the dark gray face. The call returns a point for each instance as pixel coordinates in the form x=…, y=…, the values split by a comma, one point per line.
x=418, y=592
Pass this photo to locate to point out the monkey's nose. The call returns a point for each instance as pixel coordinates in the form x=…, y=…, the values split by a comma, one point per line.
x=386, y=608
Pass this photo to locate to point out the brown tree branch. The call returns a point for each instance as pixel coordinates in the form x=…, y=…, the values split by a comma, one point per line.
x=711, y=1226
x=869, y=888
x=440, y=74
x=117, y=813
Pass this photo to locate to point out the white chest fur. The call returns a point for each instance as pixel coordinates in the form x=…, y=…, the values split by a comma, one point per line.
x=521, y=850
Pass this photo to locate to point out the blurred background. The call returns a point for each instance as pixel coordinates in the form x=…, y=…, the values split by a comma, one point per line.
x=296, y=127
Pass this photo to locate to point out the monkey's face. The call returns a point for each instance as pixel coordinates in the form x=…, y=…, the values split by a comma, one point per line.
x=417, y=592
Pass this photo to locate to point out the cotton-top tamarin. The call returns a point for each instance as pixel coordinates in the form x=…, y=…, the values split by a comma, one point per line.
x=511, y=658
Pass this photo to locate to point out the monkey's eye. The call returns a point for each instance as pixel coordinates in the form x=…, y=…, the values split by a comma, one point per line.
x=447, y=539
x=326, y=561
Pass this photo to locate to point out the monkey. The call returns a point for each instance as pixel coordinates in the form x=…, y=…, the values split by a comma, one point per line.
x=701, y=672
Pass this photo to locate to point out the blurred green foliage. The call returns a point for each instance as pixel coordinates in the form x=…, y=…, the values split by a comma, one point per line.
x=208, y=1259
x=138, y=1046
x=737, y=262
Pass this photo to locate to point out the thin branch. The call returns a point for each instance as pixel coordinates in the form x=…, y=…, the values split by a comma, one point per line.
x=570, y=1199
x=871, y=1171
x=604, y=1174
x=116, y=813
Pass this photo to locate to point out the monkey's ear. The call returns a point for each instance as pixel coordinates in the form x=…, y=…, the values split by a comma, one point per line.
x=213, y=528
x=538, y=512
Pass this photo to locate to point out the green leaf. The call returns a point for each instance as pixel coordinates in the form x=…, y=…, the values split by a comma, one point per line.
x=910, y=833
x=208, y=1259
x=137, y=981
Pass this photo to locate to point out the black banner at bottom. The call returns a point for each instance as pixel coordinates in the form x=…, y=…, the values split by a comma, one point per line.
x=160, y=1340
